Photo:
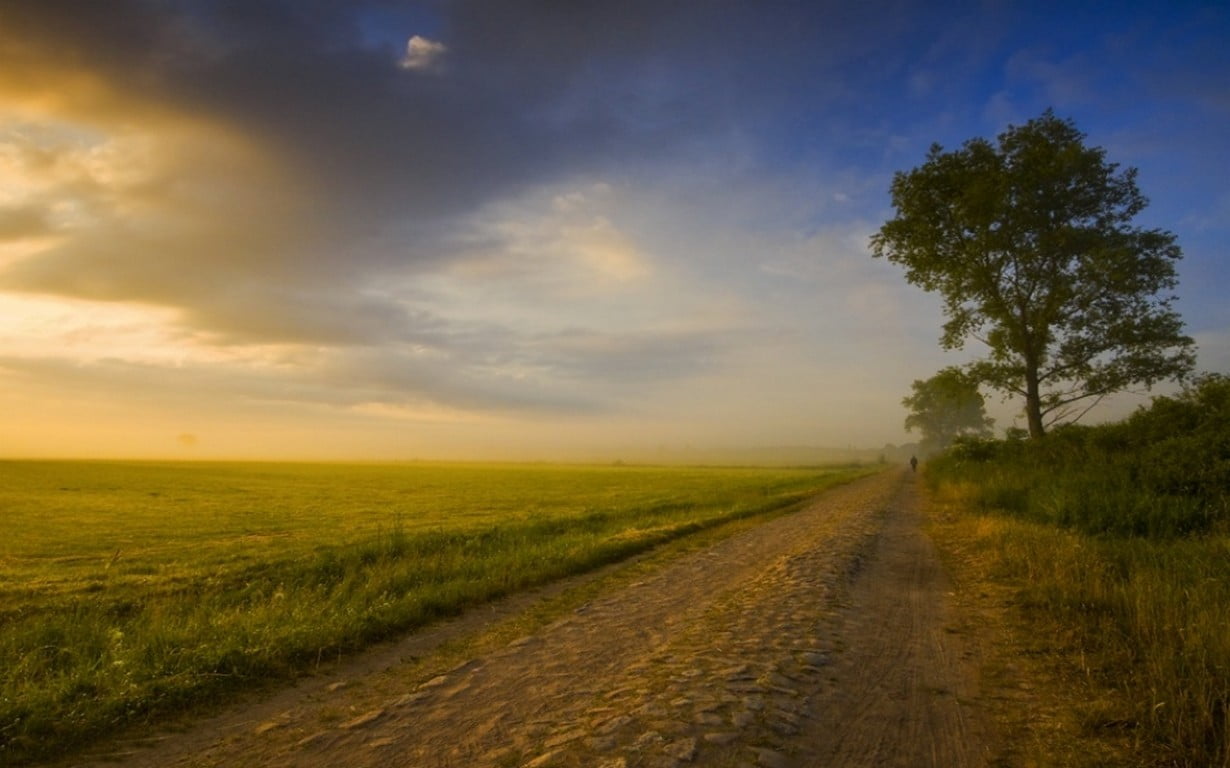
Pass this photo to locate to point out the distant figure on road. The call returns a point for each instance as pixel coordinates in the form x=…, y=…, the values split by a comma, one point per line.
x=913, y=463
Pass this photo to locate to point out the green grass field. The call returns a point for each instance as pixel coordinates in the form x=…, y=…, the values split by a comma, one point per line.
x=129, y=591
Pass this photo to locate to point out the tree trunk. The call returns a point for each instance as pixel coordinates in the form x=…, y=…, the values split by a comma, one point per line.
x=1033, y=400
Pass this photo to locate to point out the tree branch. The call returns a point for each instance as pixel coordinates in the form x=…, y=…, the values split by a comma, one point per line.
x=1062, y=401
x=1063, y=414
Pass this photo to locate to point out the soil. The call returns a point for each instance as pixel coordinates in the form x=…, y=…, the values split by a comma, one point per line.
x=820, y=638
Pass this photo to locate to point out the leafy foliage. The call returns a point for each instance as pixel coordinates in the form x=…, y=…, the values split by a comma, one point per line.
x=1031, y=245
x=1163, y=472
x=944, y=407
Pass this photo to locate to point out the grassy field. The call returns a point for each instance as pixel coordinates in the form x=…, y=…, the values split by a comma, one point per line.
x=1121, y=644
x=129, y=591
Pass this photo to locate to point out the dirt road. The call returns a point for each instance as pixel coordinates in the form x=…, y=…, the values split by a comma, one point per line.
x=816, y=639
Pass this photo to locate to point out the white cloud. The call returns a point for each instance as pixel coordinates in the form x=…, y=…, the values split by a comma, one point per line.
x=554, y=246
x=422, y=54
x=608, y=252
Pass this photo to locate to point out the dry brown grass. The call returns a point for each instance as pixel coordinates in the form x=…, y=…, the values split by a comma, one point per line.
x=1034, y=679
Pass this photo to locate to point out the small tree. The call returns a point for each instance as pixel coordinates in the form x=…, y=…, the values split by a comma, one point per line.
x=945, y=407
x=1030, y=244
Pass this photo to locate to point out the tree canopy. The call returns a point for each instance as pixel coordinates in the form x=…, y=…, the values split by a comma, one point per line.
x=944, y=407
x=1031, y=245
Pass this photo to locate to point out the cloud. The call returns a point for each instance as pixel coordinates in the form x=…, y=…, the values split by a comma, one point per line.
x=560, y=242
x=260, y=167
x=183, y=213
x=423, y=55
x=259, y=170
x=451, y=211
x=23, y=222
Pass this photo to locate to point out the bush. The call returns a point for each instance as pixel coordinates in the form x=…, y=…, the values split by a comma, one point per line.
x=1163, y=472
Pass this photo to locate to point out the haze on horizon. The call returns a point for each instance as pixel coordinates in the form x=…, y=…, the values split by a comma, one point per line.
x=532, y=230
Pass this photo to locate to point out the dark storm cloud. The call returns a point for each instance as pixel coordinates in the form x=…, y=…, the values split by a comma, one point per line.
x=377, y=160
x=373, y=162
x=527, y=88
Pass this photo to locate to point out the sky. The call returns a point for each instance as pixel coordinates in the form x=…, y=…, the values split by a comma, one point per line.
x=532, y=229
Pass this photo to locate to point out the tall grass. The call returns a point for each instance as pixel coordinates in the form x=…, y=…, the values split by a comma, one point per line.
x=1119, y=536
x=1150, y=621
x=184, y=599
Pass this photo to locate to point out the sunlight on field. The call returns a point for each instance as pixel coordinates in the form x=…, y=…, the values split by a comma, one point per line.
x=69, y=522
x=130, y=590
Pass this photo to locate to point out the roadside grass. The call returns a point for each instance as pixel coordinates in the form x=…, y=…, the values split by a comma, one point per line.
x=134, y=591
x=1107, y=552
x=1112, y=651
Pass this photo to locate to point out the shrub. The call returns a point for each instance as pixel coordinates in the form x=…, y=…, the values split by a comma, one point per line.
x=1164, y=471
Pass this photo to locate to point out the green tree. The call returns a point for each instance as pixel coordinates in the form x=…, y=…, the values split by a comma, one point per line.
x=1031, y=245
x=945, y=407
